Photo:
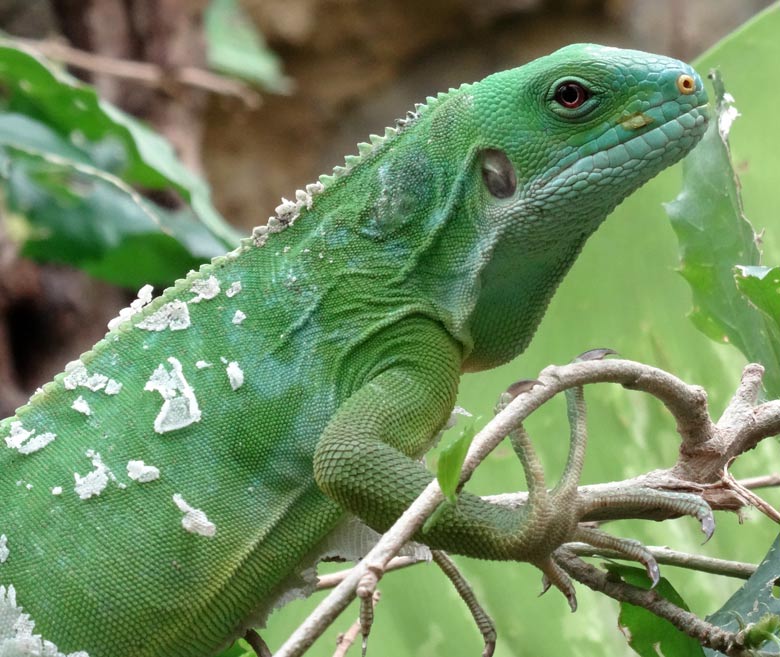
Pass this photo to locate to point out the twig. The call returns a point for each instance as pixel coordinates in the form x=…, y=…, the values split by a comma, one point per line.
x=707, y=634
x=762, y=481
x=752, y=498
x=332, y=580
x=664, y=555
x=144, y=73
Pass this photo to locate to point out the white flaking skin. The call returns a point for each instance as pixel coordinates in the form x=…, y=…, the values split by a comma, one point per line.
x=26, y=442
x=239, y=317
x=180, y=408
x=235, y=375
x=76, y=376
x=144, y=297
x=57, y=490
x=234, y=289
x=142, y=473
x=16, y=631
x=4, y=551
x=194, y=520
x=202, y=364
x=174, y=316
x=95, y=482
x=204, y=289
x=81, y=406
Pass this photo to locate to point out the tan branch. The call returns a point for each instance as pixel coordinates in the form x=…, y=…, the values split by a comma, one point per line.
x=665, y=556
x=144, y=73
x=707, y=634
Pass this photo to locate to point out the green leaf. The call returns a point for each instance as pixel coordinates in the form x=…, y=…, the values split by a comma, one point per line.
x=647, y=634
x=68, y=212
x=714, y=238
x=759, y=596
x=239, y=649
x=235, y=47
x=762, y=286
x=451, y=461
x=35, y=88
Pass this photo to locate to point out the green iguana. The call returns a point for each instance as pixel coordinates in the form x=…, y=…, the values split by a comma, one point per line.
x=156, y=497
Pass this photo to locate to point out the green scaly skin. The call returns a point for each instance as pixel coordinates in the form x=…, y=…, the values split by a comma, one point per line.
x=364, y=300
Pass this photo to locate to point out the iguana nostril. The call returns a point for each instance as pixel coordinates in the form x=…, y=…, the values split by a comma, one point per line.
x=686, y=84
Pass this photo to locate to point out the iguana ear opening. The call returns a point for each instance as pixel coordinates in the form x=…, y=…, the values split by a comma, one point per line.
x=498, y=173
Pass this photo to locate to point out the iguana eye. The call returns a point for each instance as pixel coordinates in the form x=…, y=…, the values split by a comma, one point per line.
x=571, y=95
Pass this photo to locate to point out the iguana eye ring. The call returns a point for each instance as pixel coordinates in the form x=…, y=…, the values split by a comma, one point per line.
x=571, y=94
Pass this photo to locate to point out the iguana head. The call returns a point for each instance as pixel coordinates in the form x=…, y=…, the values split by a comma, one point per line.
x=554, y=146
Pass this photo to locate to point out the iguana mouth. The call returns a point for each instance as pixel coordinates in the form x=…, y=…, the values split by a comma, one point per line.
x=624, y=157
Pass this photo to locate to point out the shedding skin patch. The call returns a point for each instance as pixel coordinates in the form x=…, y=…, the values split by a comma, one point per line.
x=180, y=408
x=25, y=441
x=57, y=490
x=4, y=551
x=144, y=298
x=113, y=387
x=95, y=482
x=16, y=631
x=239, y=317
x=194, y=520
x=204, y=289
x=142, y=473
x=174, y=316
x=202, y=364
x=636, y=121
x=235, y=375
x=76, y=376
x=81, y=406
x=234, y=289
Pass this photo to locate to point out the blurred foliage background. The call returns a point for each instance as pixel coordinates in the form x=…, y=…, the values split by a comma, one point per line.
x=309, y=79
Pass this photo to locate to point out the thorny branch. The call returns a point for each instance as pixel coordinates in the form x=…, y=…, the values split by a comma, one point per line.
x=707, y=450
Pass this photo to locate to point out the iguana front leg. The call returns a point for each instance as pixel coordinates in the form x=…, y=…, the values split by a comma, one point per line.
x=366, y=459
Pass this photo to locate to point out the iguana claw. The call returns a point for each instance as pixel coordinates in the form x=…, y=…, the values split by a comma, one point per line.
x=595, y=354
x=707, y=521
x=554, y=575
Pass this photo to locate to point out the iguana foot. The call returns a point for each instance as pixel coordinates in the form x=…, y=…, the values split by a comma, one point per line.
x=368, y=598
x=631, y=548
x=484, y=623
x=631, y=502
x=554, y=575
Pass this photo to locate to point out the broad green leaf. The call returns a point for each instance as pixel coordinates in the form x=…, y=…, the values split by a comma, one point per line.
x=762, y=286
x=647, y=634
x=451, y=461
x=714, y=238
x=71, y=109
x=746, y=59
x=239, y=649
x=235, y=47
x=20, y=130
x=69, y=212
x=758, y=597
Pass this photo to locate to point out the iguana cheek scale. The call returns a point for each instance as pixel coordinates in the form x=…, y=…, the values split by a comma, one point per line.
x=158, y=496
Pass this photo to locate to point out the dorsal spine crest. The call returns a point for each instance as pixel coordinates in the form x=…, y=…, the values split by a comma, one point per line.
x=287, y=212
